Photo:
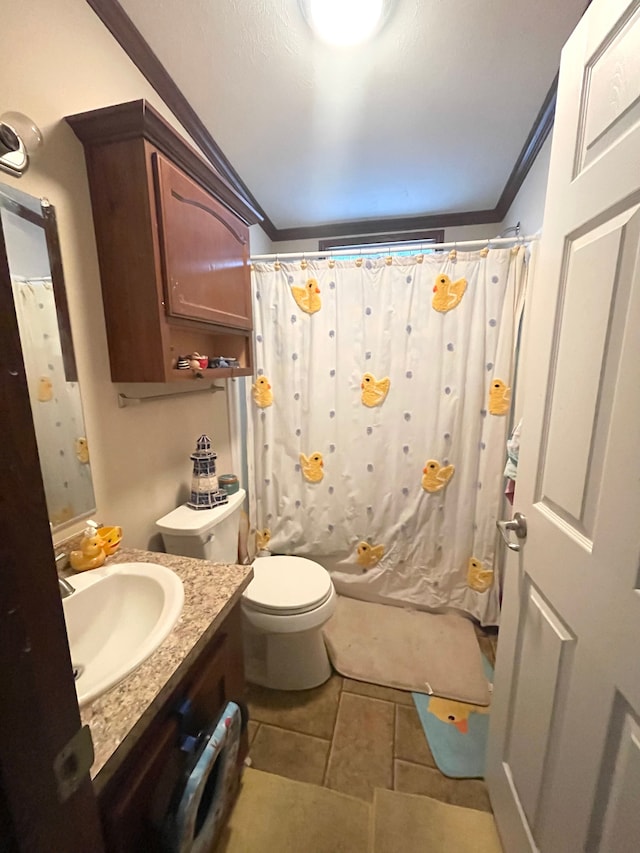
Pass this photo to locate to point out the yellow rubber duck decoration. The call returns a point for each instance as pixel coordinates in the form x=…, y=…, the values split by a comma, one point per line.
x=263, y=537
x=478, y=578
x=262, y=393
x=91, y=554
x=111, y=539
x=308, y=297
x=436, y=476
x=369, y=555
x=454, y=713
x=446, y=293
x=374, y=391
x=312, y=467
x=499, y=398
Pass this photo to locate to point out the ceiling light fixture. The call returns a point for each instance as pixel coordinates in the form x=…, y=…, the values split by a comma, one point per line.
x=344, y=22
x=19, y=139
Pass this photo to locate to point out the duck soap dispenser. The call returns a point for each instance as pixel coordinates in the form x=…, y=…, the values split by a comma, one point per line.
x=91, y=554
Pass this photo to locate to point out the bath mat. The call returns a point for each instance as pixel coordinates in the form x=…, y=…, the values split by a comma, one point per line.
x=416, y=824
x=407, y=649
x=456, y=732
x=277, y=814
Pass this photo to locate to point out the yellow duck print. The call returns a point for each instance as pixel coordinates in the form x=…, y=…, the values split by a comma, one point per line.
x=499, y=398
x=263, y=537
x=82, y=449
x=436, y=476
x=312, y=467
x=374, y=391
x=369, y=555
x=455, y=713
x=478, y=578
x=308, y=297
x=45, y=389
x=262, y=393
x=446, y=293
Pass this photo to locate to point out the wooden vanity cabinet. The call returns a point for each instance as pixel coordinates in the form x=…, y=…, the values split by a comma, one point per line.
x=134, y=800
x=173, y=247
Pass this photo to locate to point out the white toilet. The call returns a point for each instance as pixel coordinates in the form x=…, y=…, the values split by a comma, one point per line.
x=284, y=607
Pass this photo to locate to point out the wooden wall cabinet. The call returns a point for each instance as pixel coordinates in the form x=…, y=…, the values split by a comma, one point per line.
x=173, y=247
x=134, y=800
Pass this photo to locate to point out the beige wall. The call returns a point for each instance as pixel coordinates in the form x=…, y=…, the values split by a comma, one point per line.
x=528, y=206
x=259, y=242
x=62, y=61
x=462, y=232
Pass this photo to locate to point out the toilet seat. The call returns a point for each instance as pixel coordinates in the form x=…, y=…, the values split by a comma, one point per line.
x=287, y=586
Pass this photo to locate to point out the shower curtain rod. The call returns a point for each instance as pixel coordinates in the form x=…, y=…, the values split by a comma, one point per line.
x=489, y=242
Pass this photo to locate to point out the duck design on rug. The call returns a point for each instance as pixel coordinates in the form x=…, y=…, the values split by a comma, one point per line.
x=369, y=555
x=499, y=397
x=374, y=391
x=478, y=578
x=436, y=476
x=262, y=393
x=311, y=467
x=307, y=297
x=447, y=294
x=454, y=713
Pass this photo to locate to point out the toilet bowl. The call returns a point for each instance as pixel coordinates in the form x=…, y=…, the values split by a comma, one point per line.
x=283, y=611
x=284, y=607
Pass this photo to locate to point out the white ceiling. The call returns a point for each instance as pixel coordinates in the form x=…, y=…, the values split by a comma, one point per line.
x=427, y=118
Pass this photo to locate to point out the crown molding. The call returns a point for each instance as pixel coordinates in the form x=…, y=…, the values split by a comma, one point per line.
x=130, y=39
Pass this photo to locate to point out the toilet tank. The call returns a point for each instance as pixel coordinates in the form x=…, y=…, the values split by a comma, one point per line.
x=207, y=534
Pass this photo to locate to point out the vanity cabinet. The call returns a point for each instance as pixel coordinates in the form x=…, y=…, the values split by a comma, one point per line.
x=173, y=248
x=135, y=799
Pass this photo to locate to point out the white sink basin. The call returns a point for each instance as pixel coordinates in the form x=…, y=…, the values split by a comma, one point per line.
x=116, y=618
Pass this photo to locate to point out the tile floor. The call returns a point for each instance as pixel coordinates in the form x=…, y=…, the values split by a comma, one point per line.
x=353, y=737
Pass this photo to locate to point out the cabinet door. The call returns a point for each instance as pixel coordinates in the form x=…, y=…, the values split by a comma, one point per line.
x=205, y=252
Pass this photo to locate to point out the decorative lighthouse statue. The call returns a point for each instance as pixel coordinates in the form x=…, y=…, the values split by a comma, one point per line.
x=205, y=492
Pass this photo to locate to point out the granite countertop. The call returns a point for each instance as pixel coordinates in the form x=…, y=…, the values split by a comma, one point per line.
x=120, y=716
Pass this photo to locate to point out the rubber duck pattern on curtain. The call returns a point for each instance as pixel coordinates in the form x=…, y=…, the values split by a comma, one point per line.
x=375, y=449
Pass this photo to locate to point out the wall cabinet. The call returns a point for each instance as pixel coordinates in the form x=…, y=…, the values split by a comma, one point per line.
x=173, y=247
x=134, y=801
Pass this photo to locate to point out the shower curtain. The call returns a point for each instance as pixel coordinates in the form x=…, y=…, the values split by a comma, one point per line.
x=378, y=419
x=55, y=403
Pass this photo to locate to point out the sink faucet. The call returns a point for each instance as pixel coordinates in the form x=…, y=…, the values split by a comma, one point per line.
x=66, y=589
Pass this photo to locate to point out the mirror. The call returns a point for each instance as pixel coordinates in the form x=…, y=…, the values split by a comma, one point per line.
x=30, y=237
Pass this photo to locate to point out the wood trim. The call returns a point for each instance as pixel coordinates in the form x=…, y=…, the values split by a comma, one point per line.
x=537, y=135
x=60, y=291
x=134, y=45
x=370, y=226
x=138, y=119
x=435, y=236
x=128, y=36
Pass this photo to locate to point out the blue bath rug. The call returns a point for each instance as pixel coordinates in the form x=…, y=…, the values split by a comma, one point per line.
x=456, y=732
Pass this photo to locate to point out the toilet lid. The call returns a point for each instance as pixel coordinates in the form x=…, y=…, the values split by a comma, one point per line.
x=287, y=585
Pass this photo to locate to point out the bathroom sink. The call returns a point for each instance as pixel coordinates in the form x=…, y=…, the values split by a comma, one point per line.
x=117, y=616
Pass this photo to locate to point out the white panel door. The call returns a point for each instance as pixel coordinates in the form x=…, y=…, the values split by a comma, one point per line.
x=564, y=749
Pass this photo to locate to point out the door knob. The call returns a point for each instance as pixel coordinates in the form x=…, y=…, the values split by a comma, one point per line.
x=519, y=526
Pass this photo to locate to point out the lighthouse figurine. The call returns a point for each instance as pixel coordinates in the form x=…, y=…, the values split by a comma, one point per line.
x=205, y=491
